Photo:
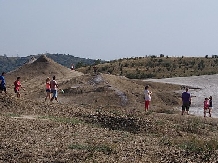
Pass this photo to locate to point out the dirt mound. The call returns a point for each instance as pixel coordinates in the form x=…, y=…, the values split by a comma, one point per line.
x=101, y=91
x=114, y=93
x=33, y=75
x=43, y=58
x=43, y=66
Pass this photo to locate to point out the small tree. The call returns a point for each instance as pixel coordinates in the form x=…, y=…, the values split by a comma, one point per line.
x=79, y=64
x=161, y=55
x=153, y=56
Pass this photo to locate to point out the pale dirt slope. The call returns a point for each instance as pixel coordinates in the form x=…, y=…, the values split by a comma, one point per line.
x=33, y=74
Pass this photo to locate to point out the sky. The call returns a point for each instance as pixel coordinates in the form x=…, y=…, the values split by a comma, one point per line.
x=109, y=29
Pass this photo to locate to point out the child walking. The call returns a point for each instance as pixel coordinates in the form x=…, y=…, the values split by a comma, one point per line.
x=17, y=86
x=206, y=106
x=147, y=97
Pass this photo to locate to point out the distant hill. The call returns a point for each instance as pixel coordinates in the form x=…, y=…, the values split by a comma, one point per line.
x=158, y=67
x=10, y=63
x=132, y=68
x=69, y=60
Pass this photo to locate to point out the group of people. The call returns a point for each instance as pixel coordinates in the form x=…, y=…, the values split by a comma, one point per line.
x=51, y=87
x=186, y=102
x=17, y=85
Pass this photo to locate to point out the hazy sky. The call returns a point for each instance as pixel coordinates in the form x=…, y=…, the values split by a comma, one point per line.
x=109, y=29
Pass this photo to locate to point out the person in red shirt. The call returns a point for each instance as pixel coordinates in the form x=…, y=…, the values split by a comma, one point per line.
x=206, y=106
x=48, y=88
x=17, y=86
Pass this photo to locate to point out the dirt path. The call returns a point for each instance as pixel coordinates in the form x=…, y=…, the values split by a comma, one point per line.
x=26, y=117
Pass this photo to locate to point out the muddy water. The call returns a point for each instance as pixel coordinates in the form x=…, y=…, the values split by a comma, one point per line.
x=200, y=87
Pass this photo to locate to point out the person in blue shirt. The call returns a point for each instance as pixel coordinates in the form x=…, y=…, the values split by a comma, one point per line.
x=2, y=83
x=186, y=101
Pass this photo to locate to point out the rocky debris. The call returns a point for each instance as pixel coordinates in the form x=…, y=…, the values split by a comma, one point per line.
x=123, y=97
x=31, y=60
x=97, y=79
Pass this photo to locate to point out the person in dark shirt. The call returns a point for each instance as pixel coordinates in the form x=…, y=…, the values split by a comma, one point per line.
x=186, y=101
x=210, y=105
x=2, y=83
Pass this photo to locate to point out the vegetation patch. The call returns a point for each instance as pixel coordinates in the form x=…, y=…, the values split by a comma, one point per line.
x=114, y=123
x=158, y=67
x=63, y=119
x=166, y=111
x=200, y=146
x=195, y=126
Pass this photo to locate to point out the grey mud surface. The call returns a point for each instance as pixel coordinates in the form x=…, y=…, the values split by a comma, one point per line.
x=200, y=87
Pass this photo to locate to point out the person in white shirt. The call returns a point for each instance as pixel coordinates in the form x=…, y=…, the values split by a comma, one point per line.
x=54, y=89
x=147, y=97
